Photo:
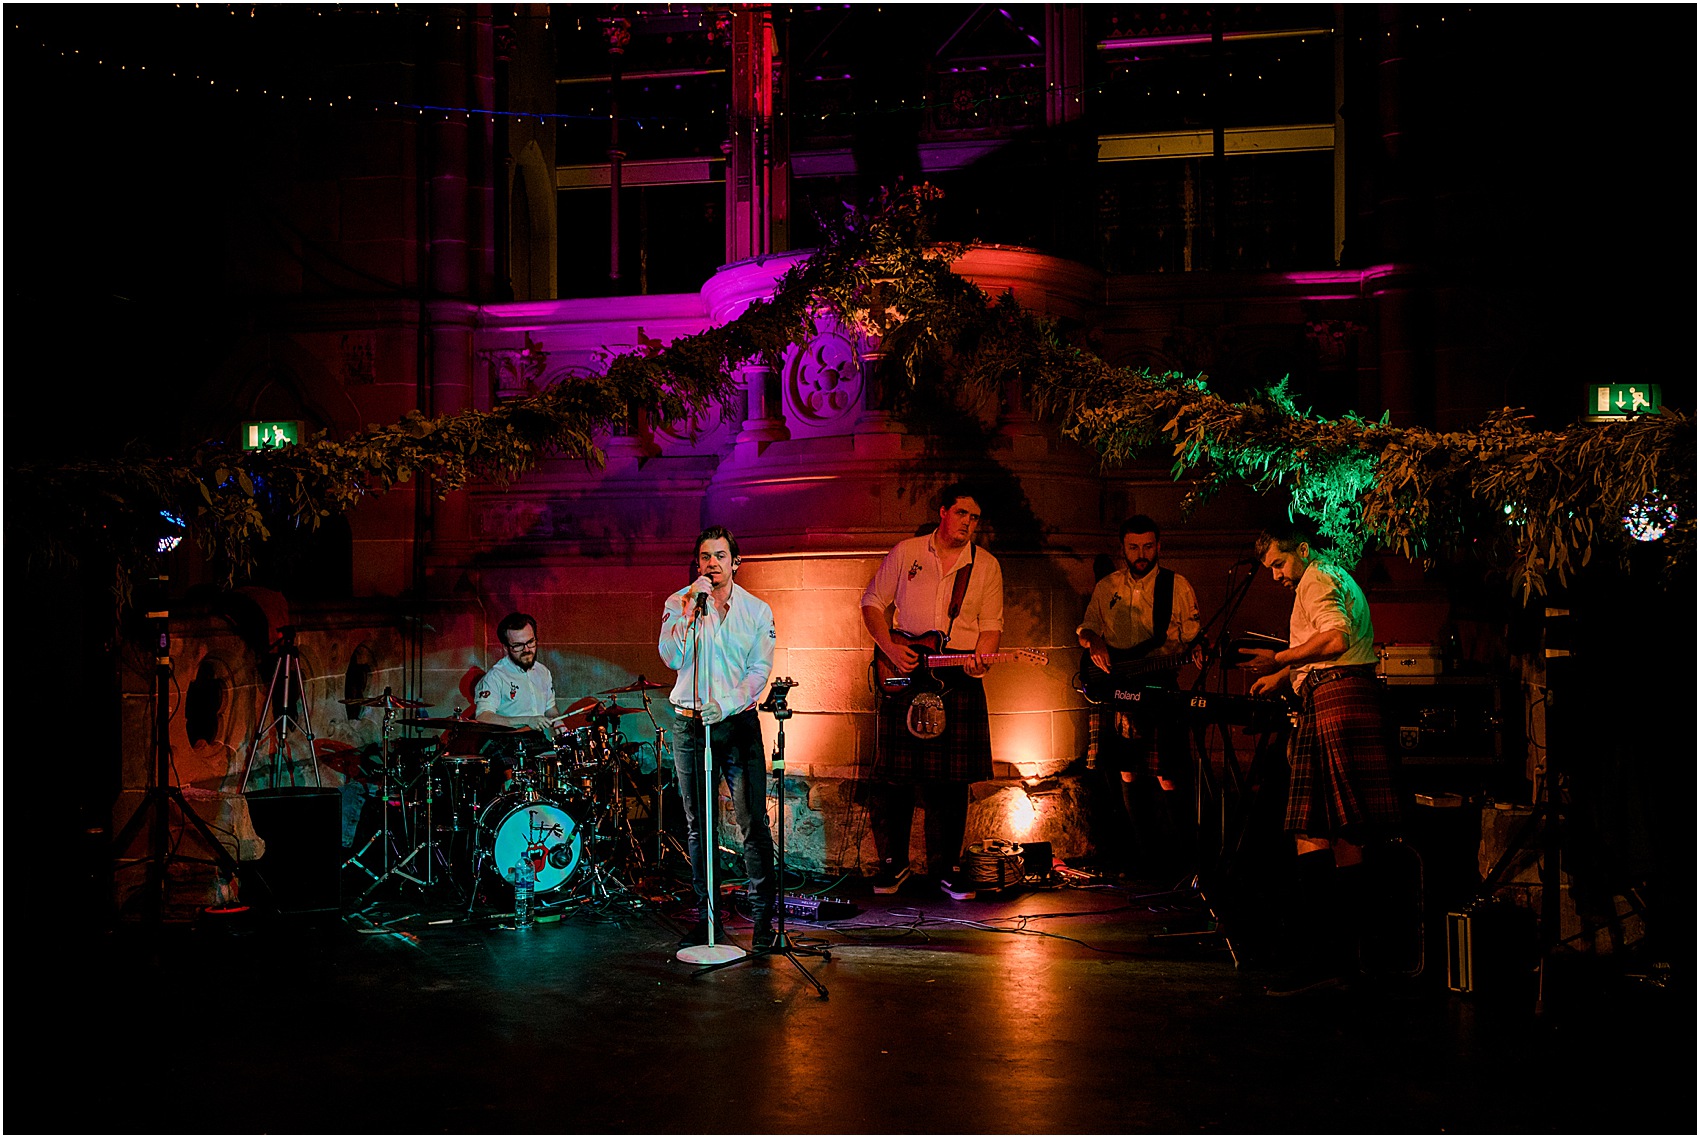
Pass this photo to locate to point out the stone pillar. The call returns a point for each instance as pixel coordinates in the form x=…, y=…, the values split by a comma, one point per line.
x=876, y=417
x=446, y=139
x=450, y=345
x=764, y=416
x=482, y=160
x=1065, y=64
x=757, y=194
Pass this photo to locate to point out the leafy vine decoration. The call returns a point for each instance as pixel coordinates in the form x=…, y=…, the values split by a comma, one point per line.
x=1534, y=503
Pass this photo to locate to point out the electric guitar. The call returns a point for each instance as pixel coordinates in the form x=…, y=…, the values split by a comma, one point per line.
x=892, y=681
x=1096, y=684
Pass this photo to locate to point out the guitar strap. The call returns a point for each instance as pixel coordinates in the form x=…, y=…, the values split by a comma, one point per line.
x=1162, y=608
x=957, y=592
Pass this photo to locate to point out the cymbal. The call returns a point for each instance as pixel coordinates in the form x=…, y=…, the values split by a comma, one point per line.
x=578, y=715
x=472, y=726
x=616, y=709
x=385, y=700
x=639, y=684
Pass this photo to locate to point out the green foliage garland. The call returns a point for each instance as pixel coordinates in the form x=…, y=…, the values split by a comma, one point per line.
x=1532, y=502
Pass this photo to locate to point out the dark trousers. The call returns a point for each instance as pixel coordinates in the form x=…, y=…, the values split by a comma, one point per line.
x=891, y=812
x=739, y=760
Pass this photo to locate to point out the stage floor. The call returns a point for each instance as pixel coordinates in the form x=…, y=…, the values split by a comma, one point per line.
x=1049, y=1010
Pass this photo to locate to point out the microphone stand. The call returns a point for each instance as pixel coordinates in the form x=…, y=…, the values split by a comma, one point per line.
x=701, y=678
x=1215, y=869
x=783, y=945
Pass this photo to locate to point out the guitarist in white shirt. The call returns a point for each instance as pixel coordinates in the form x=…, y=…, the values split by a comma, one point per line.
x=1120, y=625
x=938, y=582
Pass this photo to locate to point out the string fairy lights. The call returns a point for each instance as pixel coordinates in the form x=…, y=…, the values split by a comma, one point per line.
x=977, y=109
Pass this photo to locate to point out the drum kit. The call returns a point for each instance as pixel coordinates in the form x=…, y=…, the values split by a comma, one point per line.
x=463, y=808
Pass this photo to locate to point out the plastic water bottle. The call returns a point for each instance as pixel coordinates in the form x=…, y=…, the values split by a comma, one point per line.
x=525, y=879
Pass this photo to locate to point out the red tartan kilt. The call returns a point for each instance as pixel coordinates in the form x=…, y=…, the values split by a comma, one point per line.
x=1342, y=778
x=962, y=754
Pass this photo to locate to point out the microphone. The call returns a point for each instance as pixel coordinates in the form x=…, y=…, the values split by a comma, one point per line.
x=560, y=855
x=699, y=592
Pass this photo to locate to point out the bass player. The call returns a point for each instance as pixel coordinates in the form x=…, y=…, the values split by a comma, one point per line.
x=940, y=583
x=1139, y=628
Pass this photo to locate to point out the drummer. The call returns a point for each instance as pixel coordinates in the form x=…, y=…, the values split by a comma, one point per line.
x=517, y=691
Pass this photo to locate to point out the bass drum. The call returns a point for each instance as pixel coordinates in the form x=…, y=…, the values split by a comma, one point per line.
x=522, y=823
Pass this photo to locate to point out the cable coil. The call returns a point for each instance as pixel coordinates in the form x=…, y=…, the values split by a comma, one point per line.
x=994, y=864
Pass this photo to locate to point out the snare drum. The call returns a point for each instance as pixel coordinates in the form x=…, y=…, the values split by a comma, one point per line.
x=526, y=824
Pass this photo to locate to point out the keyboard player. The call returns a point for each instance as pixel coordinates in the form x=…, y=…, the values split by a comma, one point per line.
x=1340, y=795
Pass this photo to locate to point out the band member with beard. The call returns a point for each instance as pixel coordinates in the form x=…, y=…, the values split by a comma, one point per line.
x=718, y=696
x=517, y=691
x=1340, y=795
x=1141, y=611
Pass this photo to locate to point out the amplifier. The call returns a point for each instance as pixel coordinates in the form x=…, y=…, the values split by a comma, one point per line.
x=806, y=908
x=1453, y=720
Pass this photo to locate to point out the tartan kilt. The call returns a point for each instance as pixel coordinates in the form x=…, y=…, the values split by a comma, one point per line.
x=962, y=754
x=1342, y=778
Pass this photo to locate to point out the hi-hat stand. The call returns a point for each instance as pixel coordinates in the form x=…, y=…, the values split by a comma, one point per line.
x=390, y=703
x=665, y=843
x=783, y=945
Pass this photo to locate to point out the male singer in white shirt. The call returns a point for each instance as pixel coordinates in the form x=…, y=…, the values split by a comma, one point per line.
x=720, y=695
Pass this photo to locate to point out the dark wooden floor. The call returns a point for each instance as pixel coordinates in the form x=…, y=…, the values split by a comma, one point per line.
x=1052, y=1010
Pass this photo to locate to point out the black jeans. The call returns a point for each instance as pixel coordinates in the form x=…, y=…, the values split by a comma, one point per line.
x=739, y=760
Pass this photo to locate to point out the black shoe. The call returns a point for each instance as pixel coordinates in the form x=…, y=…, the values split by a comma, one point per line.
x=698, y=934
x=763, y=935
x=889, y=880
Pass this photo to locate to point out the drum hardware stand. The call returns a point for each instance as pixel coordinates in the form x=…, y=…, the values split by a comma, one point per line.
x=389, y=703
x=286, y=671
x=783, y=945
x=426, y=844
x=664, y=842
x=160, y=797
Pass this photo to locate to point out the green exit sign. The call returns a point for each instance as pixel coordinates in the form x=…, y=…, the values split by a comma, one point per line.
x=265, y=436
x=1621, y=400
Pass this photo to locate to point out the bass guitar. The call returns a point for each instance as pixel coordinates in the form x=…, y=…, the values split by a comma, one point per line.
x=1096, y=684
x=892, y=681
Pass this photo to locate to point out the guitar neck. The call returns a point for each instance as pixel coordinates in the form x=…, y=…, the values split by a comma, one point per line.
x=1138, y=665
x=956, y=659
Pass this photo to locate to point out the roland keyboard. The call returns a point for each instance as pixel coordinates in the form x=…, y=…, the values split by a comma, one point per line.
x=1258, y=712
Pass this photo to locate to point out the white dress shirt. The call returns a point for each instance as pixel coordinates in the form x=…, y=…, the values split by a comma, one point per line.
x=739, y=657
x=1121, y=611
x=1327, y=598
x=507, y=689
x=912, y=579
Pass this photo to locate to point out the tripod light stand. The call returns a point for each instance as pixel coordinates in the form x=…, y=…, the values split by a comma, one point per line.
x=287, y=671
x=782, y=943
x=156, y=805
